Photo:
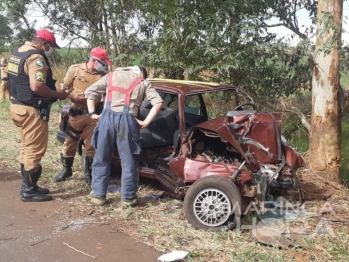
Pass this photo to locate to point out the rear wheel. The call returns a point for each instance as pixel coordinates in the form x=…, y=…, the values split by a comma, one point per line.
x=213, y=204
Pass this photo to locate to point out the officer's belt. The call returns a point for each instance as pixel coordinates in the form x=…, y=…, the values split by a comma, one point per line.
x=18, y=102
x=75, y=112
x=36, y=104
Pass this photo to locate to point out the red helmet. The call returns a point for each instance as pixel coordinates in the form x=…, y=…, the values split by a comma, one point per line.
x=100, y=54
x=46, y=36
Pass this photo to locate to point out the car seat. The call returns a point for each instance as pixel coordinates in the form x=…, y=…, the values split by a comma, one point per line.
x=160, y=131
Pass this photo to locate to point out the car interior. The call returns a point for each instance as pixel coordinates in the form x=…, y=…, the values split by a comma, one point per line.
x=161, y=129
x=164, y=129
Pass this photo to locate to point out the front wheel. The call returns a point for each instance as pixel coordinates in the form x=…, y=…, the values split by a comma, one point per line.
x=213, y=203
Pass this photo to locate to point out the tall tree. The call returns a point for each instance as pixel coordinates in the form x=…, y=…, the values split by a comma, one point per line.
x=325, y=132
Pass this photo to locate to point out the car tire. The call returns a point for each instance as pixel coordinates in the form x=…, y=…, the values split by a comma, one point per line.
x=202, y=209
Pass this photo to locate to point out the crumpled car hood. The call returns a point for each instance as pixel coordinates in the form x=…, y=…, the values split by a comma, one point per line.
x=255, y=135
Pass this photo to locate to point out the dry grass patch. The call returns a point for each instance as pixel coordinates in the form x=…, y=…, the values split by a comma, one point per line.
x=161, y=222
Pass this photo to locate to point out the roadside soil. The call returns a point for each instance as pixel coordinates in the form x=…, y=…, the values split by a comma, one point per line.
x=52, y=231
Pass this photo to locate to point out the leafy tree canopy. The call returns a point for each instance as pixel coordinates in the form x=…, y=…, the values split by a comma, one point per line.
x=222, y=41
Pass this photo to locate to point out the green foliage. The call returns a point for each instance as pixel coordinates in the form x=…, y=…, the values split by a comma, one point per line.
x=328, y=34
x=296, y=134
x=104, y=23
x=5, y=33
x=22, y=36
x=15, y=14
x=228, y=41
x=292, y=128
x=344, y=64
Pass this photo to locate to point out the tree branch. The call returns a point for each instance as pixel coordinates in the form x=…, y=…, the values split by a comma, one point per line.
x=301, y=116
x=22, y=14
x=275, y=25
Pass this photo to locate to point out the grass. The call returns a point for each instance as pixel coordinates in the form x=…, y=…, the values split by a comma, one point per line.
x=64, y=51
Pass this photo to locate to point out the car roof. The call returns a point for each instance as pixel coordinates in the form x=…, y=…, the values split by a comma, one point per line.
x=187, y=87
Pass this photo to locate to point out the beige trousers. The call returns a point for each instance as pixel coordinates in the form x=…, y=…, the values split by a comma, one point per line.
x=87, y=125
x=33, y=132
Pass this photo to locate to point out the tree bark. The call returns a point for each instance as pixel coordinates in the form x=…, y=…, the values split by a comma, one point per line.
x=325, y=131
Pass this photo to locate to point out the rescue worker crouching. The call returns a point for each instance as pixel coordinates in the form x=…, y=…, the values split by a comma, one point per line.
x=118, y=125
x=33, y=90
x=78, y=78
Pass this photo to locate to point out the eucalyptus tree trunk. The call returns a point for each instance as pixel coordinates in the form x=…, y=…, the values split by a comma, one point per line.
x=325, y=132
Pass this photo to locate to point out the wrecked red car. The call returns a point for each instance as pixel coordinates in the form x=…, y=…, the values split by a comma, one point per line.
x=210, y=146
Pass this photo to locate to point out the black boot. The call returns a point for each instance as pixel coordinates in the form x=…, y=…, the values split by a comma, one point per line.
x=88, y=170
x=66, y=172
x=42, y=190
x=30, y=192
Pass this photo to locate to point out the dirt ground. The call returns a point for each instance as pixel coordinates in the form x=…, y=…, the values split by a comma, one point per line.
x=315, y=188
x=51, y=231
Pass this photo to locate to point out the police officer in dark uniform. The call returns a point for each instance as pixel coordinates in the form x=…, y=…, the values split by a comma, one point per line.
x=33, y=90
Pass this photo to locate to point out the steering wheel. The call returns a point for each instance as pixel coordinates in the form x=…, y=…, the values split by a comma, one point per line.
x=239, y=107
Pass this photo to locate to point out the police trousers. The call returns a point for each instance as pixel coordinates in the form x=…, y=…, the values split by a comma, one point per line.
x=121, y=129
x=33, y=132
x=82, y=123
